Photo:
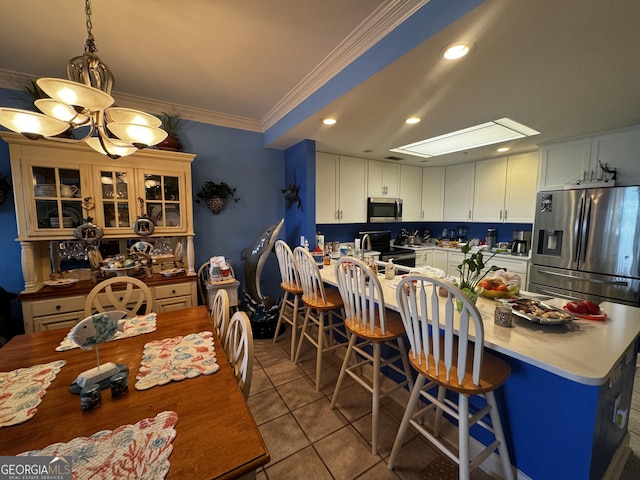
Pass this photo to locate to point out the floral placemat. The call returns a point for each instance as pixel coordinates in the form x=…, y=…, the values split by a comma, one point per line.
x=132, y=327
x=139, y=451
x=21, y=391
x=176, y=358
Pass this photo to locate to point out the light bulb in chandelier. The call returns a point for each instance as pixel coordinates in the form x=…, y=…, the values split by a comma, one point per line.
x=84, y=100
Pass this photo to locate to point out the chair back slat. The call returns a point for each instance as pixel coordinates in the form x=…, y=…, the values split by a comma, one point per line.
x=361, y=293
x=239, y=342
x=288, y=271
x=103, y=298
x=309, y=274
x=436, y=331
x=220, y=315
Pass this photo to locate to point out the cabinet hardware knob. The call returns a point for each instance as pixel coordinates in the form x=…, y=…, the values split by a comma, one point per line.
x=173, y=291
x=58, y=307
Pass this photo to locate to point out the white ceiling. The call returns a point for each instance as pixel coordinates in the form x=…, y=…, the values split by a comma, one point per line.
x=565, y=68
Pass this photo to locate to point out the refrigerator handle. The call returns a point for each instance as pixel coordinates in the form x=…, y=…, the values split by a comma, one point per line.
x=577, y=231
x=620, y=283
x=586, y=226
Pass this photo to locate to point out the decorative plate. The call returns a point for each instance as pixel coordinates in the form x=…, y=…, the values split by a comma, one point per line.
x=143, y=227
x=88, y=232
x=62, y=282
x=171, y=272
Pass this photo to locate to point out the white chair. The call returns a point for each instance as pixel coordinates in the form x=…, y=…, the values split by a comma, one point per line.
x=119, y=293
x=370, y=325
x=203, y=279
x=290, y=285
x=240, y=350
x=220, y=316
x=449, y=362
x=322, y=305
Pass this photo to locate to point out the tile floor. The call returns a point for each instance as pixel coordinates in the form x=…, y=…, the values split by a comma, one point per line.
x=308, y=440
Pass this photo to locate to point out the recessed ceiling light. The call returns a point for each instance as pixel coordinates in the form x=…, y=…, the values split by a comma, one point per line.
x=458, y=50
x=503, y=149
x=329, y=121
x=412, y=120
x=497, y=131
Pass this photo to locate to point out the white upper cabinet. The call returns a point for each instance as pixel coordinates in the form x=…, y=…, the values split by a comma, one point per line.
x=573, y=161
x=458, y=192
x=619, y=150
x=563, y=163
x=490, y=185
x=383, y=179
x=521, y=187
x=433, y=194
x=505, y=189
x=411, y=193
x=340, y=189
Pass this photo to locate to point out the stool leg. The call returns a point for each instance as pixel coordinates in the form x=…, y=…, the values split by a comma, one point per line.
x=404, y=424
x=281, y=316
x=463, y=436
x=439, y=412
x=294, y=324
x=343, y=370
x=503, y=451
x=321, y=333
x=375, y=402
x=302, y=333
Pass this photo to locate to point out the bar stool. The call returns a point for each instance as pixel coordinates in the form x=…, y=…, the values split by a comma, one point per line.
x=321, y=307
x=453, y=363
x=290, y=285
x=370, y=324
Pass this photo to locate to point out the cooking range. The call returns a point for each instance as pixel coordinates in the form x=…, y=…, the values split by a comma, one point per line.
x=381, y=242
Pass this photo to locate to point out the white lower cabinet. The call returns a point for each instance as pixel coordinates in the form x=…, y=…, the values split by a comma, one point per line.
x=440, y=259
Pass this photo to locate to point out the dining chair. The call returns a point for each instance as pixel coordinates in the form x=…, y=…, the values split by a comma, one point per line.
x=292, y=291
x=220, y=316
x=322, y=306
x=447, y=350
x=371, y=325
x=239, y=342
x=119, y=293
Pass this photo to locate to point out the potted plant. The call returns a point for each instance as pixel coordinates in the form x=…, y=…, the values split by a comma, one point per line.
x=170, y=124
x=216, y=194
x=472, y=270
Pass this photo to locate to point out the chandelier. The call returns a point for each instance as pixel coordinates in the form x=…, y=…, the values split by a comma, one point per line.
x=83, y=105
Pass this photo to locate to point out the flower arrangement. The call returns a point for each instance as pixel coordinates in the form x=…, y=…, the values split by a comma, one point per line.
x=213, y=189
x=472, y=270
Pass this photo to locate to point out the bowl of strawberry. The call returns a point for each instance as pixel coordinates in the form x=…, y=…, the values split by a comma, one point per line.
x=585, y=309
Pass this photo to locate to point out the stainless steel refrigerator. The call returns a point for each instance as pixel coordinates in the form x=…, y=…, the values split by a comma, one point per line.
x=586, y=245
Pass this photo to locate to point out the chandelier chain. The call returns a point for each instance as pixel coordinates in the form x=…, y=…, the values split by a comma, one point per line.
x=90, y=46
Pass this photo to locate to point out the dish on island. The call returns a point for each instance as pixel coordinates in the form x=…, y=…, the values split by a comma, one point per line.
x=61, y=282
x=171, y=272
x=538, y=312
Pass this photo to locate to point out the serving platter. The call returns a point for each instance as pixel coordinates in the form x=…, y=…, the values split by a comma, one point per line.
x=171, y=272
x=536, y=311
x=61, y=282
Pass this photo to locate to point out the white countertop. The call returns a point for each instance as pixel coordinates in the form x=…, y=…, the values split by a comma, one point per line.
x=584, y=351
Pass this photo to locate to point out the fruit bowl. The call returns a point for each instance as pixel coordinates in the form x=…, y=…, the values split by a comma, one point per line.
x=499, y=293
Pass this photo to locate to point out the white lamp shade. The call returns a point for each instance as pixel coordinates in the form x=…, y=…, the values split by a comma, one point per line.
x=137, y=134
x=74, y=93
x=61, y=111
x=116, y=148
x=127, y=115
x=25, y=122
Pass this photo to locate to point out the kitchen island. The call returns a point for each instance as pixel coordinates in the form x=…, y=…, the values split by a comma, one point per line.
x=565, y=406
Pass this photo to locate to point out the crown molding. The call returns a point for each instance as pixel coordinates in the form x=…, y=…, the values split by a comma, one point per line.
x=374, y=28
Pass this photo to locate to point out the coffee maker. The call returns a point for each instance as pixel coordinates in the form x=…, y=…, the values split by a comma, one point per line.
x=521, y=242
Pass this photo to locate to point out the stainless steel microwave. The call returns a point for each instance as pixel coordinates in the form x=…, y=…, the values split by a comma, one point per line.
x=384, y=210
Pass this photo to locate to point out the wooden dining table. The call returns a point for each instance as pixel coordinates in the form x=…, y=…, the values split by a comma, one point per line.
x=216, y=435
